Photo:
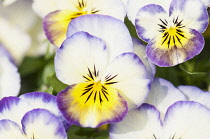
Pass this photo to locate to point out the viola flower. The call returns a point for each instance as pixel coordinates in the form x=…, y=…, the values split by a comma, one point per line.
x=100, y=91
x=183, y=120
x=173, y=35
x=9, y=75
x=56, y=23
x=37, y=123
x=14, y=108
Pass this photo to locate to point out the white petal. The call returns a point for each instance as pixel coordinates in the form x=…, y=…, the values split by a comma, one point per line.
x=132, y=81
x=41, y=124
x=42, y=100
x=133, y=7
x=193, y=13
x=9, y=78
x=13, y=108
x=147, y=20
x=14, y=39
x=43, y=7
x=163, y=94
x=142, y=123
x=112, y=31
x=10, y=130
x=77, y=54
x=114, y=8
x=140, y=50
x=194, y=93
x=187, y=120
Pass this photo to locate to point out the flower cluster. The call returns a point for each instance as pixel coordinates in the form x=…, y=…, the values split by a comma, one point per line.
x=88, y=63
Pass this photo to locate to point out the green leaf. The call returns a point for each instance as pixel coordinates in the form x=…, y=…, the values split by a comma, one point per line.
x=57, y=85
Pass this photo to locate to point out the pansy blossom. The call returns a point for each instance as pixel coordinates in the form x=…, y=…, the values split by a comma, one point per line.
x=103, y=85
x=173, y=35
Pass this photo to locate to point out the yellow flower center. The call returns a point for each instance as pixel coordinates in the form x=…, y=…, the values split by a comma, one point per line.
x=172, y=36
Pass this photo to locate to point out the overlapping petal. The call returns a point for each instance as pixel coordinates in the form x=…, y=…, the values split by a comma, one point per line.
x=163, y=94
x=183, y=119
x=37, y=123
x=187, y=120
x=56, y=23
x=98, y=86
x=10, y=130
x=112, y=31
x=130, y=81
x=194, y=93
x=40, y=123
x=14, y=108
x=78, y=54
x=45, y=101
x=143, y=122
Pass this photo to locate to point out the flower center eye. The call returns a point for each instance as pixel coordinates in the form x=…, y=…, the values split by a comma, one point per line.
x=84, y=9
x=172, y=36
x=94, y=90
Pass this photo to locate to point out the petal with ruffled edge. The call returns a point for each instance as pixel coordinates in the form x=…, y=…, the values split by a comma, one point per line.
x=165, y=51
x=194, y=93
x=143, y=122
x=193, y=13
x=132, y=82
x=45, y=101
x=79, y=56
x=163, y=94
x=140, y=50
x=100, y=105
x=133, y=7
x=42, y=100
x=187, y=120
x=9, y=76
x=41, y=124
x=56, y=23
x=14, y=108
x=112, y=31
x=10, y=130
